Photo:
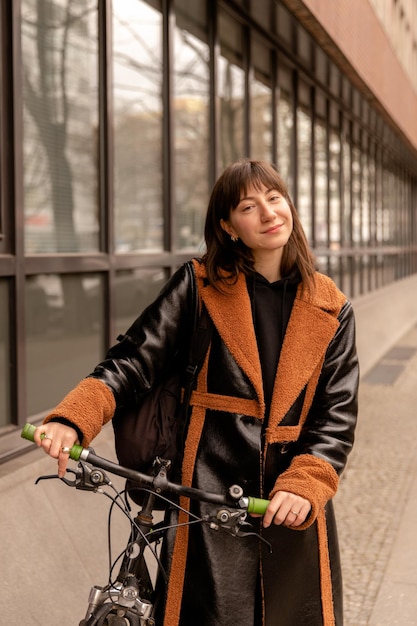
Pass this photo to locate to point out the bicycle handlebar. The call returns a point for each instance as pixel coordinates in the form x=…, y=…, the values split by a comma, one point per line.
x=253, y=505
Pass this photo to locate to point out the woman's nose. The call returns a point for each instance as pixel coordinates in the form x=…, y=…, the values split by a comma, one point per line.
x=267, y=211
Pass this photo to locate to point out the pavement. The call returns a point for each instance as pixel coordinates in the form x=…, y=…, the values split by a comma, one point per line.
x=376, y=505
x=53, y=544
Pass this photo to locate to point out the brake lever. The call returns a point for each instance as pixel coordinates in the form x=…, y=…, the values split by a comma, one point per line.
x=67, y=481
x=87, y=478
x=46, y=477
x=252, y=533
x=234, y=522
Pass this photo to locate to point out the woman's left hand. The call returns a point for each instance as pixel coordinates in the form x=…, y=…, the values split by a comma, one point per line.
x=286, y=509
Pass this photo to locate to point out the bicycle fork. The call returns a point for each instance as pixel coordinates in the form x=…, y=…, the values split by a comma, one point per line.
x=120, y=603
x=123, y=601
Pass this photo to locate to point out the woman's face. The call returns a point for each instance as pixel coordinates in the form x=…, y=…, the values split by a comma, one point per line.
x=262, y=220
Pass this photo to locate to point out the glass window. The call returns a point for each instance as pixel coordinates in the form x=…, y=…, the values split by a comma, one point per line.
x=334, y=180
x=60, y=126
x=261, y=102
x=321, y=220
x=285, y=116
x=347, y=186
x=356, y=195
x=64, y=332
x=346, y=92
x=261, y=12
x=284, y=24
x=231, y=91
x=386, y=204
x=304, y=184
x=390, y=201
x=321, y=65
x=365, y=219
x=372, y=213
x=304, y=46
x=1, y=150
x=5, y=383
x=191, y=124
x=137, y=96
x=334, y=79
x=134, y=290
x=356, y=102
x=378, y=202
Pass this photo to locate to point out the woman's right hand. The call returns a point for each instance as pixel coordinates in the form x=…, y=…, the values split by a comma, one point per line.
x=57, y=441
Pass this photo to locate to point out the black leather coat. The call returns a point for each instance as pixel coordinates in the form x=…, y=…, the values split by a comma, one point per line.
x=216, y=579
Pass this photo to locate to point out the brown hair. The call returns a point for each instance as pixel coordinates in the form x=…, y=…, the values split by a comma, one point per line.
x=224, y=259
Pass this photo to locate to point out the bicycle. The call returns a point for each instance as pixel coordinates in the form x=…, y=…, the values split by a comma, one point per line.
x=130, y=599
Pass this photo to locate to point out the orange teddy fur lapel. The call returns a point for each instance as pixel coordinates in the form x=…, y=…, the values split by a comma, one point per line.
x=231, y=313
x=312, y=326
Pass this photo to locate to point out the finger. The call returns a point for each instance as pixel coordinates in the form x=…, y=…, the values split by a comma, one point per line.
x=46, y=442
x=282, y=516
x=37, y=435
x=269, y=515
x=63, y=461
x=293, y=518
x=41, y=435
x=46, y=445
x=273, y=509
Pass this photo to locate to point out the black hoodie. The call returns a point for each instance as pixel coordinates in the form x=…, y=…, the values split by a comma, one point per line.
x=271, y=309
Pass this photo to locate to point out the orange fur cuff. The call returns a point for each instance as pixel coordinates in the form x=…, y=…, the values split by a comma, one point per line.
x=88, y=406
x=311, y=478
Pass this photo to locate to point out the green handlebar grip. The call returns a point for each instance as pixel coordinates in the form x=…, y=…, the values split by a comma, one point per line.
x=28, y=432
x=257, y=505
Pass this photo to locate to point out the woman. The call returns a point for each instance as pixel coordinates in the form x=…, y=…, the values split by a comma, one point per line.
x=274, y=410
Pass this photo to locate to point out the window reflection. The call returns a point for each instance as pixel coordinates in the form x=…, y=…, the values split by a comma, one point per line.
x=321, y=221
x=365, y=209
x=64, y=332
x=334, y=188
x=347, y=198
x=285, y=128
x=231, y=91
x=134, y=290
x=59, y=54
x=356, y=197
x=378, y=204
x=334, y=185
x=304, y=127
x=137, y=71
x=261, y=103
x=388, y=217
x=5, y=409
x=191, y=124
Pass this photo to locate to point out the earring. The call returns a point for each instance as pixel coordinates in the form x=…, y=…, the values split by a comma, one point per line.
x=233, y=238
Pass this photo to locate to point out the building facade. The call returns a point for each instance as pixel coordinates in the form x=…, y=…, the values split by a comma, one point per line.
x=117, y=117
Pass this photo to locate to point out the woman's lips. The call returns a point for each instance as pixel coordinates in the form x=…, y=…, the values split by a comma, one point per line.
x=273, y=229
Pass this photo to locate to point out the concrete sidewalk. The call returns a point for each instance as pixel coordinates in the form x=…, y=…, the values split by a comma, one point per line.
x=377, y=502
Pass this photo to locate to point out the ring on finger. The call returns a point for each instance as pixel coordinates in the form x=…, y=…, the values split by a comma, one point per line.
x=47, y=437
x=294, y=513
x=65, y=449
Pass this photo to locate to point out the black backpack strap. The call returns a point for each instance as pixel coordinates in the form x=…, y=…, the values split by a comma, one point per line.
x=202, y=332
x=199, y=346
